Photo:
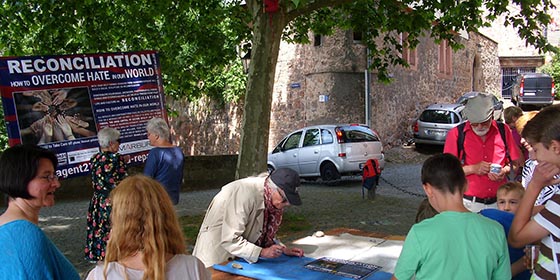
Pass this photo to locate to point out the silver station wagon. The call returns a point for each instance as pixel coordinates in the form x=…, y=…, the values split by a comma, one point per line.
x=327, y=151
x=435, y=121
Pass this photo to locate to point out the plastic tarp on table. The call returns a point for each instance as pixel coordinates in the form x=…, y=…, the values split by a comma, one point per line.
x=377, y=251
x=286, y=267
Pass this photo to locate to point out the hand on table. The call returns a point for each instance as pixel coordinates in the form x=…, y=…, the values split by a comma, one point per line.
x=273, y=251
x=298, y=252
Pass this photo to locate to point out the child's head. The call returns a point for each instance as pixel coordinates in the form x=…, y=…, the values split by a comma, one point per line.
x=509, y=195
x=511, y=114
x=522, y=121
x=543, y=134
x=445, y=173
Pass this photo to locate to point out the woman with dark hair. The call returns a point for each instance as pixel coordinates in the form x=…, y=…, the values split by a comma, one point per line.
x=28, y=178
x=146, y=239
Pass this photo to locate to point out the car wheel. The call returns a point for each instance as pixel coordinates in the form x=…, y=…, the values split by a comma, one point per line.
x=269, y=168
x=329, y=172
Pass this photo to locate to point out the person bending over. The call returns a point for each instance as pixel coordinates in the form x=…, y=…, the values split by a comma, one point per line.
x=243, y=218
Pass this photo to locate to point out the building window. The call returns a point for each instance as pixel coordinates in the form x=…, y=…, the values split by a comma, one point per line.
x=445, y=63
x=409, y=55
x=317, y=40
x=357, y=36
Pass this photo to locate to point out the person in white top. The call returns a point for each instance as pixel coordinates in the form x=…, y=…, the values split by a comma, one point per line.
x=146, y=241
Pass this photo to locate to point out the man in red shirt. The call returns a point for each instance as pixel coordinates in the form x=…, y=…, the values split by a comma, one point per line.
x=483, y=146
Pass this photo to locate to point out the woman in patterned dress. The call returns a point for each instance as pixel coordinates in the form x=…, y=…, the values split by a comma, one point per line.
x=108, y=168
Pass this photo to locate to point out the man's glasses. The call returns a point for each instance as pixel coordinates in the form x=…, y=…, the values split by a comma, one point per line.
x=50, y=178
x=486, y=123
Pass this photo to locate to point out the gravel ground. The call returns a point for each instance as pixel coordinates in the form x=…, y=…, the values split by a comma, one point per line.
x=326, y=207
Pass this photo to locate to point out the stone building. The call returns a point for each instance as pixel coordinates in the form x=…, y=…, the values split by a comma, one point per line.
x=516, y=57
x=324, y=82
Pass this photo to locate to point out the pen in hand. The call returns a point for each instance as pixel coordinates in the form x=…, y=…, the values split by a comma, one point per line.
x=289, y=251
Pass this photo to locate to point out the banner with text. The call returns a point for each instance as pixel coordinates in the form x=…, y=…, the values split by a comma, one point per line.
x=60, y=102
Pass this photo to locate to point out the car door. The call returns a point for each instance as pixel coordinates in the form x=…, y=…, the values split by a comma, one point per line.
x=544, y=90
x=285, y=155
x=309, y=153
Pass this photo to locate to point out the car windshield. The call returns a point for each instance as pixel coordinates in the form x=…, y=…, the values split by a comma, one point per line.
x=439, y=116
x=358, y=134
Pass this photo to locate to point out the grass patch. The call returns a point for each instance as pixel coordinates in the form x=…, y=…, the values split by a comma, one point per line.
x=191, y=226
x=293, y=226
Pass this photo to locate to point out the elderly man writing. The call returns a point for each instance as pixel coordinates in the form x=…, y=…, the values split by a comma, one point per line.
x=482, y=145
x=243, y=218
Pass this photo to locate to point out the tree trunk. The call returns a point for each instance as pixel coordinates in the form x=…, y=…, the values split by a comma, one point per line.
x=267, y=32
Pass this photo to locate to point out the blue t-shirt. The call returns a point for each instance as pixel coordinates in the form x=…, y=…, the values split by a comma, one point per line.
x=505, y=219
x=27, y=253
x=166, y=166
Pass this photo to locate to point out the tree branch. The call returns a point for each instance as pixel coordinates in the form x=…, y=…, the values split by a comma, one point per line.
x=311, y=6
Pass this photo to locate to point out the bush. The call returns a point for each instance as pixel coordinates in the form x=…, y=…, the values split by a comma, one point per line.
x=553, y=69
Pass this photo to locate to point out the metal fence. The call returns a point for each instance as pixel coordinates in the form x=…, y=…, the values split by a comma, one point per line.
x=509, y=75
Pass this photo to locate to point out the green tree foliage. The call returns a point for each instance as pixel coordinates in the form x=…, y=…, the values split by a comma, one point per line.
x=197, y=40
x=381, y=21
x=553, y=69
x=3, y=132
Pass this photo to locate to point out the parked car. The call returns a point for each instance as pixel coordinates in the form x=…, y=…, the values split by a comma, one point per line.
x=498, y=104
x=327, y=151
x=533, y=89
x=434, y=123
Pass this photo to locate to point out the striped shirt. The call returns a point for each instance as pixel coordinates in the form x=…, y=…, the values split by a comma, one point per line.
x=527, y=174
x=549, y=218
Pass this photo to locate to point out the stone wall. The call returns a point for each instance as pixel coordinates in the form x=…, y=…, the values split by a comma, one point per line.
x=205, y=127
x=318, y=85
x=397, y=105
x=325, y=84
x=328, y=87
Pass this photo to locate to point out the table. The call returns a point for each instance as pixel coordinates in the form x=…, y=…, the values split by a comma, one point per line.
x=342, y=243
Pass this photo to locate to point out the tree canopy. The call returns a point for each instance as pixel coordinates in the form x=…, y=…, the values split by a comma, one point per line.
x=380, y=21
x=198, y=41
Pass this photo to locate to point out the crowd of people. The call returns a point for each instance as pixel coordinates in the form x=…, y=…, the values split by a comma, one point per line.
x=493, y=191
x=132, y=228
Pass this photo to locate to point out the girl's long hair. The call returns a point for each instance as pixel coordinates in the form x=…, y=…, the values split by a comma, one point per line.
x=143, y=220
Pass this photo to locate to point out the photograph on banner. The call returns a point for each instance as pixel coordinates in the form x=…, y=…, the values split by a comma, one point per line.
x=55, y=115
x=59, y=102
